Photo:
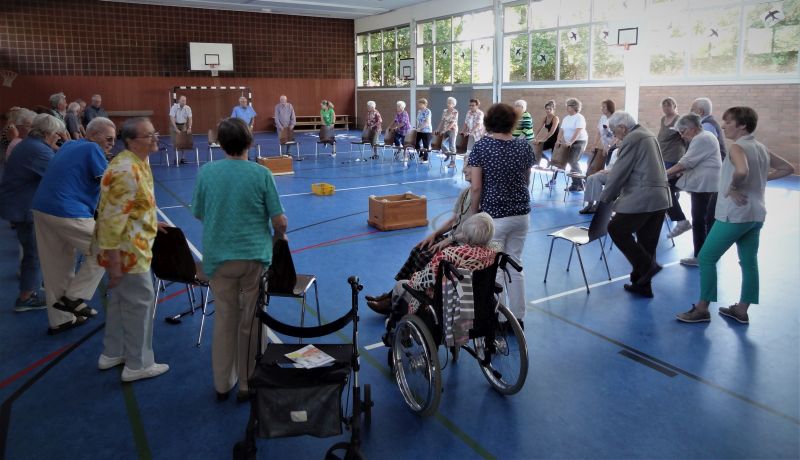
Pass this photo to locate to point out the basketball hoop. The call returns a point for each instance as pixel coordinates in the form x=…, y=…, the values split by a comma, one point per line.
x=8, y=77
x=213, y=69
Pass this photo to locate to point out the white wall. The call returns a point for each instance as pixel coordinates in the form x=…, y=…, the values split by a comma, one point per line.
x=421, y=11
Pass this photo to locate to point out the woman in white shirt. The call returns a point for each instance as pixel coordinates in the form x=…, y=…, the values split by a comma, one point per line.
x=573, y=135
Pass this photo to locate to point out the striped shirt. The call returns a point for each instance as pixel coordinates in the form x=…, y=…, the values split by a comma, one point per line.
x=524, y=127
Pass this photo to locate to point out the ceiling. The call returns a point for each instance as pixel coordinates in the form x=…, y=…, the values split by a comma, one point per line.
x=343, y=9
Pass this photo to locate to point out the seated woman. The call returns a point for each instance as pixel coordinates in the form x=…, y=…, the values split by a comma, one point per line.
x=447, y=234
x=472, y=253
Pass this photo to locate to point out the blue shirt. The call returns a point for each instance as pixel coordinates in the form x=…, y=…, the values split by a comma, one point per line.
x=24, y=170
x=424, y=121
x=247, y=114
x=506, y=170
x=71, y=186
x=235, y=199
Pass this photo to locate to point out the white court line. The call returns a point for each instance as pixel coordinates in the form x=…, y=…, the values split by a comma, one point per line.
x=371, y=186
x=271, y=335
x=172, y=207
x=374, y=346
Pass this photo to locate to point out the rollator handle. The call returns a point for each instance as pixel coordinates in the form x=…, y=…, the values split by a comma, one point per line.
x=513, y=263
x=354, y=283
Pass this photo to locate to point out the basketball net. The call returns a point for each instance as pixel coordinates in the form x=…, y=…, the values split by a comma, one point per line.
x=8, y=77
x=214, y=71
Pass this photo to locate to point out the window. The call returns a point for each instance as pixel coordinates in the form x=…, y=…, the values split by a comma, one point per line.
x=543, y=55
x=715, y=35
x=606, y=60
x=378, y=54
x=574, y=53
x=771, y=38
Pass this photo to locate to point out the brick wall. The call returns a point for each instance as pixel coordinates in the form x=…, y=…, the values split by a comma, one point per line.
x=89, y=37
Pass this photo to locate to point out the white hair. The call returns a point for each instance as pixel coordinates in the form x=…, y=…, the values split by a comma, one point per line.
x=44, y=125
x=98, y=123
x=521, y=104
x=401, y=104
x=73, y=107
x=56, y=98
x=23, y=116
x=478, y=230
x=453, y=100
x=574, y=103
x=621, y=118
x=371, y=104
x=703, y=103
x=690, y=120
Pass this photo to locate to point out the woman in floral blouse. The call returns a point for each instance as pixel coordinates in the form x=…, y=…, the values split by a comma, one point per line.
x=447, y=129
x=373, y=127
x=473, y=124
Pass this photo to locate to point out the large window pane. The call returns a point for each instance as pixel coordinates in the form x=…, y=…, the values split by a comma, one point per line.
x=362, y=43
x=715, y=41
x=617, y=10
x=479, y=25
x=403, y=39
x=390, y=68
x=575, y=53
x=668, y=42
x=388, y=39
x=462, y=63
x=544, y=14
x=543, y=56
x=482, y=63
x=444, y=32
x=375, y=41
x=444, y=58
x=375, y=70
x=515, y=60
x=362, y=66
x=772, y=39
x=515, y=18
x=424, y=33
x=606, y=60
x=425, y=65
x=574, y=12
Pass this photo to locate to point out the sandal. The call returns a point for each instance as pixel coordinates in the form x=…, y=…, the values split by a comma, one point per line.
x=384, y=296
x=78, y=321
x=382, y=307
x=76, y=307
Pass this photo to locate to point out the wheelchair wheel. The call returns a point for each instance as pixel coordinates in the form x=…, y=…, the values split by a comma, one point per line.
x=508, y=364
x=416, y=365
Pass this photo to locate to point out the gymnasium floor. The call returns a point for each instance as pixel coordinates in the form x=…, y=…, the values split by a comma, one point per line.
x=611, y=375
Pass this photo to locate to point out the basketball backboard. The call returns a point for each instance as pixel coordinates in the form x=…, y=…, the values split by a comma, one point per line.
x=213, y=57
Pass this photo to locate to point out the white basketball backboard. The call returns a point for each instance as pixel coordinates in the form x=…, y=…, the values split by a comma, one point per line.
x=211, y=56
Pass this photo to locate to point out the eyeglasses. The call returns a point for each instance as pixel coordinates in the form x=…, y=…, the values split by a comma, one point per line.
x=110, y=138
x=148, y=136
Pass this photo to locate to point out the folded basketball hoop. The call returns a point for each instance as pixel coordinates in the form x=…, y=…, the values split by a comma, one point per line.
x=8, y=77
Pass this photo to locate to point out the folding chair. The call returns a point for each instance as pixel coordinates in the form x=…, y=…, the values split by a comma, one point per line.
x=326, y=137
x=283, y=265
x=286, y=139
x=581, y=236
x=212, y=143
x=173, y=263
x=367, y=138
x=184, y=141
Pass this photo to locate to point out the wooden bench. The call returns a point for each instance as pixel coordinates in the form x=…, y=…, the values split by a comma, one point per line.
x=314, y=122
x=130, y=113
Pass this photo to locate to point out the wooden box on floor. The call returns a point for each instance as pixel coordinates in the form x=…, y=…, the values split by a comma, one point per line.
x=393, y=212
x=278, y=165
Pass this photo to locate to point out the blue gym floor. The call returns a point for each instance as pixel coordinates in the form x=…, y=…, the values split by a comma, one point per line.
x=611, y=375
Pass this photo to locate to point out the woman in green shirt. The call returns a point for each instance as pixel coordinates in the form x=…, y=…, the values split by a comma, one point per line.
x=328, y=118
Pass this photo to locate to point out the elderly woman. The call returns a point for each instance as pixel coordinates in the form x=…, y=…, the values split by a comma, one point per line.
x=471, y=254
x=23, y=120
x=524, y=128
x=740, y=214
x=237, y=242
x=573, y=136
x=699, y=172
x=449, y=233
x=501, y=172
x=23, y=171
x=72, y=121
x=473, y=124
x=424, y=128
x=672, y=149
x=372, y=127
x=604, y=135
x=447, y=129
x=547, y=135
x=401, y=124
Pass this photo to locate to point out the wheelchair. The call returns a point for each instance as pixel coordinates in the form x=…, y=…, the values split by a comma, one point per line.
x=289, y=400
x=497, y=339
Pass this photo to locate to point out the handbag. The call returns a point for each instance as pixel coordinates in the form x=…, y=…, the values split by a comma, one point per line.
x=598, y=162
x=560, y=157
x=282, y=276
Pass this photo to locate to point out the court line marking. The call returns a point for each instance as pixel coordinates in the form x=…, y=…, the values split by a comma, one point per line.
x=370, y=186
x=172, y=207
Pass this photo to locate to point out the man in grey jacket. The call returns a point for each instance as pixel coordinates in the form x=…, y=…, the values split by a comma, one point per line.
x=638, y=189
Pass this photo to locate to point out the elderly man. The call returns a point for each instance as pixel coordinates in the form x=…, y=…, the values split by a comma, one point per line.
x=284, y=117
x=94, y=110
x=58, y=109
x=126, y=229
x=63, y=214
x=245, y=112
x=180, y=120
x=637, y=186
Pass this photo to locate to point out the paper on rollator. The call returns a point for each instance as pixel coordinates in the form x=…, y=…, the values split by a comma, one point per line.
x=310, y=357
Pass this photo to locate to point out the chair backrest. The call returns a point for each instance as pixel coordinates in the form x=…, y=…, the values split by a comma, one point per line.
x=599, y=226
x=326, y=134
x=286, y=135
x=411, y=138
x=172, y=258
x=212, y=136
x=183, y=141
x=388, y=138
x=462, y=141
x=282, y=275
x=436, y=143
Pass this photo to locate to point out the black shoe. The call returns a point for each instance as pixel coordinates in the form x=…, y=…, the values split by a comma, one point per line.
x=78, y=321
x=77, y=307
x=242, y=396
x=183, y=161
x=589, y=209
x=644, y=291
x=575, y=188
x=223, y=396
x=645, y=279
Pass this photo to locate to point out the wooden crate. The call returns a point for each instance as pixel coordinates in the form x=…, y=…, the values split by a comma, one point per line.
x=393, y=212
x=278, y=165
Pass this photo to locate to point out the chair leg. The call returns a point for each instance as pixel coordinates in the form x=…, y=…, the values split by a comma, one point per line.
x=159, y=284
x=669, y=229
x=580, y=260
x=302, y=315
x=569, y=262
x=316, y=300
x=197, y=155
x=177, y=159
x=546, y=270
x=605, y=259
x=204, y=304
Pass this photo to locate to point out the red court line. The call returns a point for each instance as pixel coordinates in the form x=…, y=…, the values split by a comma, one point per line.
x=172, y=296
x=33, y=366
x=326, y=243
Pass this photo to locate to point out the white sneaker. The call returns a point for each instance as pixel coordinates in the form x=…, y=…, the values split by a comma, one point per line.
x=679, y=229
x=107, y=362
x=690, y=261
x=130, y=375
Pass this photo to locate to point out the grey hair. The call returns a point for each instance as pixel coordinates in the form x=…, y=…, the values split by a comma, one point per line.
x=56, y=98
x=621, y=118
x=478, y=230
x=573, y=102
x=521, y=104
x=453, y=100
x=401, y=104
x=98, y=123
x=44, y=125
x=130, y=129
x=22, y=116
x=371, y=104
x=670, y=101
x=703, y=103
x=73, y=107
x=690, y=120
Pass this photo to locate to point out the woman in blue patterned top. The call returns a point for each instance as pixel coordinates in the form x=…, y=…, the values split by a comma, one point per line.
x=424, y=129
x=501, y=171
